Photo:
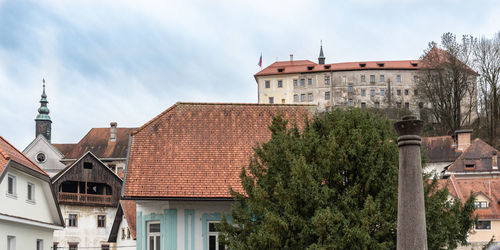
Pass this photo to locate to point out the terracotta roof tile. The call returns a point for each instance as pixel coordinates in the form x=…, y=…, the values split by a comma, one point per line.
x=65, y=148
x=97, y=141
x=129, y=209
x=304, y=66
x=198, y=150
x=479, y=154
x=9, y=152
x=489, y=187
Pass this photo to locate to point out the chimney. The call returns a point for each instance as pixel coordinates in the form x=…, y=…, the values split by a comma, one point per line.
x=463, y=139
x=112, y=131
x=494, y=160
x=291, y=57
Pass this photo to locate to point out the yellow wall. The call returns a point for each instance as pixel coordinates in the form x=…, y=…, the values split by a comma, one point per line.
x=279, y=94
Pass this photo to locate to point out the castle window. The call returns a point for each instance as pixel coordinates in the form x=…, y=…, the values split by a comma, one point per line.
x=295, y=98
x=302, y=82
x=398, y=78
x=398, y=92
x=407, y=105
x=407, y=92
x=349, y=88
x=363, y=78
x=271, y=100
x=327, y=80
x=268, y=84
x=363, y=92
x=327, y=95
x=302, y=97
x=280, y=83
x=372, y=92
x=309, y=97
x=377, y=105
x=309, y=81
x=295, y=84
x=382, y=78
x=372, y=78
x=363, y=105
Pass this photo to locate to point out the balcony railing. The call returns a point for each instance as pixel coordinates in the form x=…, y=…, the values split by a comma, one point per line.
x=86, y=198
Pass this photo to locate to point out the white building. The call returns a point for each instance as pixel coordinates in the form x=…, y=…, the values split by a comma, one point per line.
x=29, y=212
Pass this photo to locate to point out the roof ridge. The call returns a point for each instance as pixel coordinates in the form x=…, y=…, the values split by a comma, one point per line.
x=23, y=155
x=3, y=153
x=154, y=119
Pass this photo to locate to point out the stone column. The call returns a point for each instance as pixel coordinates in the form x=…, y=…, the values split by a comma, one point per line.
x=411, y=208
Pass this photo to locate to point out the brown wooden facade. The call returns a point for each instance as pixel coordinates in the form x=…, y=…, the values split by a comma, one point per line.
x=88, y=182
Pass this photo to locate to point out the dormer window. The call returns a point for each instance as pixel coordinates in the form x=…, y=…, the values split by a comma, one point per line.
x=362, y=65
x=310, y=67
x=481, y=204
x=380, y=64
x=327, y=66
x=414, y=64
x=281, y=69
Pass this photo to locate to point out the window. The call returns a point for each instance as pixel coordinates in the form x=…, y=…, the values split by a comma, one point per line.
x=407, y=105
x=483, y=225
x=295, y=84
x=302, y=97
x=344, y=79
x=372, y=78
x=101, y=221
x=398, y=78
x=327, y=80
x=407, y=92
x=302, y=82
x=310, y=97
x=382, y=78
x=104, y=247
x=415, y=78
x=128, y=233
x=54, y=245
x=377, y=105
x=363, y=78
x=40, y=157
x=123, y=233
x=295, y=98
x=350, y=102
x=11, y=185
x=363, y=105
x=481, y=204
x=309, y=81
x=73, y=246
x=398, y=105
x=327, y=95
x=73, y=220
x=382, y=92
x=372, y=92
x=213, y=237
x=271, y=100
x=282, y=101
x=154, y=242
x=280, y=83
x=398, y=92
x=39, y=244
x=421, y=105
x=87, y=165
x=363, y=92
x=469, y=166
x=349, y=88
x=268, y=84
x=31, y=192
x=11, y=242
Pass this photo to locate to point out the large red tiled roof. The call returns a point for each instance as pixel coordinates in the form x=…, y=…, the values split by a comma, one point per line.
x=9, y=152
x=97, y=141
x=304, y=66
x=479, y=154
x=128, y=207
x=489, y=187
x=197, y=150
x=440, y=149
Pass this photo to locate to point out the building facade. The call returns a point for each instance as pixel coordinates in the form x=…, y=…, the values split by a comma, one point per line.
x=375, y=84
x=29, y=212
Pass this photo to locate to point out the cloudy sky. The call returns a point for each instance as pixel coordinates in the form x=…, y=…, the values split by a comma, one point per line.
x=127, y=61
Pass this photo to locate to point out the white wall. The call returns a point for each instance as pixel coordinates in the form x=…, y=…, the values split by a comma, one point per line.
x=52, y=164
x=26, y=236
x=43, y=209
x=87, y=234
x=125, y=243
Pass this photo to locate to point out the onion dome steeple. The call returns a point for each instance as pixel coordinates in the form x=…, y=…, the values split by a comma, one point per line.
x=42, y=120
x=321, y=58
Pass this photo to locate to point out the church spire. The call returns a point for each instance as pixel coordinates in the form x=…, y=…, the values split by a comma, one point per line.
x=42, y=120
x=321, y=58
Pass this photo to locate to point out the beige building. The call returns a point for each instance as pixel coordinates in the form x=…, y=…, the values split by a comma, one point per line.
x=376, y=84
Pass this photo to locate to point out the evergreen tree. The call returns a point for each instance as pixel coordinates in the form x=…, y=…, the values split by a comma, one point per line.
x=331, y=185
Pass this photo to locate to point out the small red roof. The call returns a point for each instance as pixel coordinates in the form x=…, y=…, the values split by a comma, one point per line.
x=9, y=152
x=306, y=66
x=489, y=187
x=197, y=150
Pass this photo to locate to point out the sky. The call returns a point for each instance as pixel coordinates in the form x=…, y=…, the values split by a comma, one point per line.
x=127, y=61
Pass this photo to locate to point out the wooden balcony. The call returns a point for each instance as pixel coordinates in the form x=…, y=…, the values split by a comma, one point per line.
x=94, y=199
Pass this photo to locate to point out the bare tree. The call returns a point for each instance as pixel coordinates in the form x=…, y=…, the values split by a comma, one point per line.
x=447, y=83
x=487, y=64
